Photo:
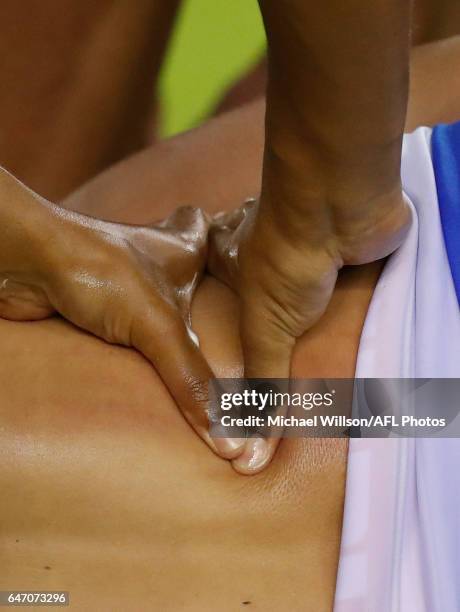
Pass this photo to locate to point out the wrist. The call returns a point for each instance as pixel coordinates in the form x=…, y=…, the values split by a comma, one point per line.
x=333, y=162
x=354, y=227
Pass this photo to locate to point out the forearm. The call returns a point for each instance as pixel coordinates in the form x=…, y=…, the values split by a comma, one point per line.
x=337, y=95
x=219, y=164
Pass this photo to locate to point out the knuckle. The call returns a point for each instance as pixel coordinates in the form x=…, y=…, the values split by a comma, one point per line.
x=198, y=388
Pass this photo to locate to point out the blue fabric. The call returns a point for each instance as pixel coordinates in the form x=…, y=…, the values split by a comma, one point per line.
x=445, y=149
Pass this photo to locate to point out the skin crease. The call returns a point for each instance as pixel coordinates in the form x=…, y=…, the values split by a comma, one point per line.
x=349, y=210
x=126, y=284
x=331, y=192
x=242, y=131
x=106, y=486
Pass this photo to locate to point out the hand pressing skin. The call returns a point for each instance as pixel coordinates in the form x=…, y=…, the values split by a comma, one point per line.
x=128, y=285
x=285, y=282
x=331, y=193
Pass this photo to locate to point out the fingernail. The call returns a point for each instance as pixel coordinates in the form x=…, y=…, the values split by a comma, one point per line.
x=230, y=447
x=254, y=457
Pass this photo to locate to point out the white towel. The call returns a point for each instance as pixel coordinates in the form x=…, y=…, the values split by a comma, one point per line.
x=400, y=548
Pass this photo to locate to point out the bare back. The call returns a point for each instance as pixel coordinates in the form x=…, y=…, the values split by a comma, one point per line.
x=108, y=493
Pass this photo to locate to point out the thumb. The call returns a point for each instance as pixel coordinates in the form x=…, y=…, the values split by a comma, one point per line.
x=267, y=350
x=165, y=341
x=270, y=325
x=267, y=343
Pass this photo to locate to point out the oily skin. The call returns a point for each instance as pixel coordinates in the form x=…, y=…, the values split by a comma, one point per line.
x=230, y=149
x=106, y=486
x=285, y=292
x=129, y=285
x=331, y=193
x=79, y=442
x=59, y=273
x=111, y=416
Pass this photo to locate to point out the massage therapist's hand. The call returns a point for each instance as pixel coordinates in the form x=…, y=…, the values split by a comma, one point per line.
x=331, y=190
x=284, y=271
x=128, y=285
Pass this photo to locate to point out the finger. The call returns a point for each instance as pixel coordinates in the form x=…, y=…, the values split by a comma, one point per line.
x=229, y=219
x=256, y=456
x=226, y=232
x=163, y=339
x=267, y=350
x=186, y=219
x=274, y=314
x=223, y=255
x=267, y=344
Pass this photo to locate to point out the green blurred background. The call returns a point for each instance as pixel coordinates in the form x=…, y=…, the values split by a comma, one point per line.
x=214, y=42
